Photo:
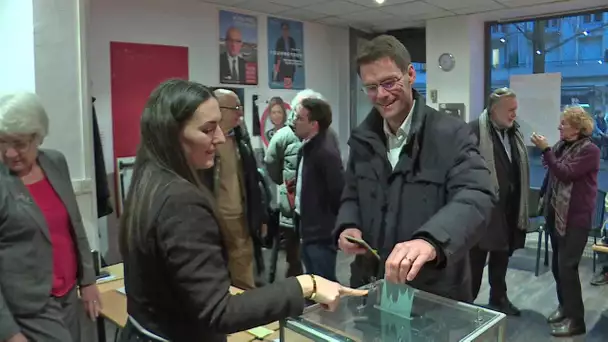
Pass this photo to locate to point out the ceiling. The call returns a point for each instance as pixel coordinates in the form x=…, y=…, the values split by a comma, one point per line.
x=370, y=16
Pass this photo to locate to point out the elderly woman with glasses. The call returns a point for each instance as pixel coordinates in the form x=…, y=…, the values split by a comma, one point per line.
x=569, y=195
x=44, y=255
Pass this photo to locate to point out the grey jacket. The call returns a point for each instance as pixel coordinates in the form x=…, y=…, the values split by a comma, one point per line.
x=26, y=252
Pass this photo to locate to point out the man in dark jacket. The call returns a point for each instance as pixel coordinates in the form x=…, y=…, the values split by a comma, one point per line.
x=319, y=184
x=236, y=183
x=417, y=189
x=502, y=146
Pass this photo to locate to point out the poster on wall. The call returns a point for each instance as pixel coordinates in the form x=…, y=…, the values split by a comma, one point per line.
x=285, y=54
x=238, y=48
x=275, y=113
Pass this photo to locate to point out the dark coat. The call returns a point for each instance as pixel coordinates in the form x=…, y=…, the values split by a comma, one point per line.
x=102, y=190
x=322, y=185
x=503, y=233
x=226, y=70
x=178, y=282
x=440, y=191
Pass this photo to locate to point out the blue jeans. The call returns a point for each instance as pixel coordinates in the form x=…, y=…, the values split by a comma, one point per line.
x=320, y=259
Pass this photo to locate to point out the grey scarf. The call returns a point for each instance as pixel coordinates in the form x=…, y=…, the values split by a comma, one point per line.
x=486, y=148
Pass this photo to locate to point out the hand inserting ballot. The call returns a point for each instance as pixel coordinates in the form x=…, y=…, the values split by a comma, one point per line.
x=406, y=260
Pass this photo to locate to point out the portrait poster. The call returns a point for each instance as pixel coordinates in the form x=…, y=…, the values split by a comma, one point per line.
x=238, y=48
x=285, y=54
x=269, y=123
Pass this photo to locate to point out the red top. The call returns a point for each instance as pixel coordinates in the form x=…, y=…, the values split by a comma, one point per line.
x=59, y=225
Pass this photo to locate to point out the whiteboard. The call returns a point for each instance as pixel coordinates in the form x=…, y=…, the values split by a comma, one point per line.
x=539, y=104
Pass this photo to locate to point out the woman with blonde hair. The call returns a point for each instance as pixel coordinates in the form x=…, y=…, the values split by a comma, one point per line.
x=569, y=193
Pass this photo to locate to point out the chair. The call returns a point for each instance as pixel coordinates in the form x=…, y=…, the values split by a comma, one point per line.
x=598, y=221
x=537, y=225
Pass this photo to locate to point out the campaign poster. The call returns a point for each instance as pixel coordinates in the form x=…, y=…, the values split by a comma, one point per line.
x=238, y=48
x=285, y=54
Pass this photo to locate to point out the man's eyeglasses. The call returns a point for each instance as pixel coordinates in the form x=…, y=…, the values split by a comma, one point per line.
x=388, y=85
x=237, y=108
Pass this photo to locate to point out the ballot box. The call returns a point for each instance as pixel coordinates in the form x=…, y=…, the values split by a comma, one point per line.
x=396, y=313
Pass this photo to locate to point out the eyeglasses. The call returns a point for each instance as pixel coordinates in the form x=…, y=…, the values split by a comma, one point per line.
x=388, y=85
x=19, y=145
x=237, y=108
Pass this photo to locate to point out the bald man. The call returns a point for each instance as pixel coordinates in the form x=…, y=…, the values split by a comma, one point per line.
x=232, y=64
x=236, y=183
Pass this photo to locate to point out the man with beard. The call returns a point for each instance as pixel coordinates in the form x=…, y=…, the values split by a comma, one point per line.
x=502, y=146
x=416, y=188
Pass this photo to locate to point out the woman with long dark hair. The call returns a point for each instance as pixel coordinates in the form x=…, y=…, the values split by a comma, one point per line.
x=569, y=191
x=176, y=273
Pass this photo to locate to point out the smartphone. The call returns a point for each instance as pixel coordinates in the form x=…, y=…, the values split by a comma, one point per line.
x=362, y=244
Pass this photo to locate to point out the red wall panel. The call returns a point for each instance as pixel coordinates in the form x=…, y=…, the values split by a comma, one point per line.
x=136, y=70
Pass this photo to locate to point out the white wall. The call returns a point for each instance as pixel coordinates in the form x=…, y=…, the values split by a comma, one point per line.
x=195, y=25
x=47, y=56
x=17, y=31
x=463, y=37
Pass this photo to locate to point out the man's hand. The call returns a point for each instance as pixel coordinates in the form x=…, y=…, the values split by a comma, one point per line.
x=17, y=338
x=92, y=303
x=349, y=247
x=406, y=260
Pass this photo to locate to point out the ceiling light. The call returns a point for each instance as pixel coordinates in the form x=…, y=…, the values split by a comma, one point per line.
x=586, y=33
x=502, y=40
x=600, y=61
x=380, y=2
x=538, y=52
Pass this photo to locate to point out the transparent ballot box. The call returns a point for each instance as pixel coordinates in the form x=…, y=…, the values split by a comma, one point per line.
x=396, y=313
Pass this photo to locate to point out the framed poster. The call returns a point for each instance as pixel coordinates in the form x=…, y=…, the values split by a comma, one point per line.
x=285, y=54
x=238, y=48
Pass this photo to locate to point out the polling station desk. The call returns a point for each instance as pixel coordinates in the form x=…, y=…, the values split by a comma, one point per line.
x=115, y=309
x=381, y=316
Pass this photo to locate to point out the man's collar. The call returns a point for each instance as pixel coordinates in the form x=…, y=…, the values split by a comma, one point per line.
x=405, y=125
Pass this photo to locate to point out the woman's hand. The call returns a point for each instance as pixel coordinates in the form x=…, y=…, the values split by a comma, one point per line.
x=92, y=303
x=327, y=292
x=539, y=141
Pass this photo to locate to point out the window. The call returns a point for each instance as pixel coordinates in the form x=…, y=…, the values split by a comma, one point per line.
x=592, y=18
x=575, y=46
x=511, y=52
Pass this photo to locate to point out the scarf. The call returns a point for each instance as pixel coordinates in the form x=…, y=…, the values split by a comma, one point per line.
x=561, y=191
x=486, y=148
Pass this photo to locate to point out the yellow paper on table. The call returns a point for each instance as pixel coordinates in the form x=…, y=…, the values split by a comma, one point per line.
x=260, y=332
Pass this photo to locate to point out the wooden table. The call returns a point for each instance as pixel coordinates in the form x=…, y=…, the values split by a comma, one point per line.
x=115, y=307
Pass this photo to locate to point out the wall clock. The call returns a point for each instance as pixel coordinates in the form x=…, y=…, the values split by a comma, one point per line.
x=446, y=62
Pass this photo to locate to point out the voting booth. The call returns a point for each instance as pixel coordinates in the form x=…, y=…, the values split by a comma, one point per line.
x=395, y=312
